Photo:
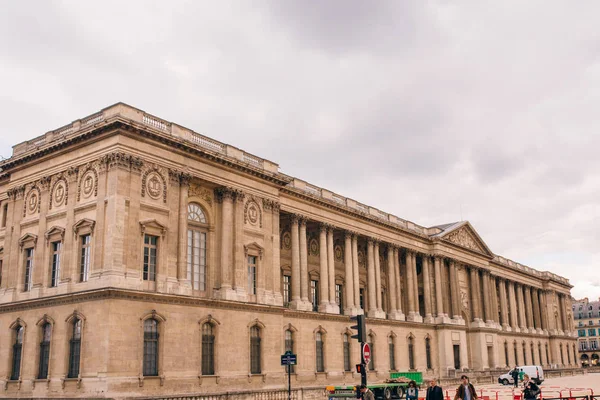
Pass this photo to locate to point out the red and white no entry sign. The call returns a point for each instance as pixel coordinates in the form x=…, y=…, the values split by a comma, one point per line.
x=366, y=353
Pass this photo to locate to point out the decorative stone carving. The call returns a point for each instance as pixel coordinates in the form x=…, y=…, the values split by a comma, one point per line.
x=59, y=194
x=223, y=192
x=313, y=247
x=16, y=193
x=32, y=202
x=252, y=213
x=361, y=259
x=269, y=205
x=88, y=184
x=154, y=184
x=463, y=238
x=286, y=241
x=45, y=182
x=121, y=159
x=203, y=193
x=338, y=253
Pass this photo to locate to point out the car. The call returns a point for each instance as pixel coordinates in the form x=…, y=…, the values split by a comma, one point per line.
x=535, y=372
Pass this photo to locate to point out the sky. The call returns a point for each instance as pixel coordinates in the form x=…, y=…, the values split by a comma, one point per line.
x=434, y=111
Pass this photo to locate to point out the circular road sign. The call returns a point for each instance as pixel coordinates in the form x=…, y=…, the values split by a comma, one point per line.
x=366, y=353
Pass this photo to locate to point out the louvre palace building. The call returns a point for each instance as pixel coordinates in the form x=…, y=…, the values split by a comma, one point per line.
x=140, y=258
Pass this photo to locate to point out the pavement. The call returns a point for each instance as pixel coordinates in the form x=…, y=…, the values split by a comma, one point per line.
x=567, y=386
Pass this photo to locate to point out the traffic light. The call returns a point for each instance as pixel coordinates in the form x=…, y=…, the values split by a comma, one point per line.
x=361, y=330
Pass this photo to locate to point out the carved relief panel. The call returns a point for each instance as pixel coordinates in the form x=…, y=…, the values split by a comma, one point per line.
x=59, y=192
x=154, y=184
x=88, y=183
x=31, y=205
x=252, y=213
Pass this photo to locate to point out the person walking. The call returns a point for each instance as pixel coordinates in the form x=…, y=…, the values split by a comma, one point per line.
x=515, y=375
x=466, y=391
x=530, y=389
x=434, y=392
x=366, y=393
x=412, y=392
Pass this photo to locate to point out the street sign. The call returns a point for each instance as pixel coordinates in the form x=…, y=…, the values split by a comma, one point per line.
x=366, y=353
x=288, y=358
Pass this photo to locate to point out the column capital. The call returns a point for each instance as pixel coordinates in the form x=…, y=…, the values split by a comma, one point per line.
x=370, y=240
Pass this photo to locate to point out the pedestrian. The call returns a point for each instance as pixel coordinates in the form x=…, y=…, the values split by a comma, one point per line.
x=465, y=390
x=434, y=392
x=366, y=393
x=515, y=375
x=530, y=389
x=412, y=392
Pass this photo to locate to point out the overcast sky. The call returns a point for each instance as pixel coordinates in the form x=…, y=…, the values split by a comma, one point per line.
x=432, y=111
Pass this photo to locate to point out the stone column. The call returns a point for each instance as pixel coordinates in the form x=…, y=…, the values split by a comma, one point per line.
x=410, y=287
x=380, y=312
x=225, y=291
x=528, y=308
x=349, y=307
x=563, y=316
x=391, y=271
x=475, y=290
x=401, y=315
x=240, y=276
x=513, y=306
x=182, y=233
x=304, y=264
x=355, y=273
x=331, y=263
x=494, y=303
x=544, y=311
x=504, y=306
x=277, y=295
x=40, y=269
x=438, y=290
x=296, y=298
x=427, y=289
x=415, y=282
x=371, y=287
x=536, y=310
x=324, y=270
x=454, y=291
x=487, y=295
x=520, y=306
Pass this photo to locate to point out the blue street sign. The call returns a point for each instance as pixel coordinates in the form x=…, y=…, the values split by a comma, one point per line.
x=288, y=359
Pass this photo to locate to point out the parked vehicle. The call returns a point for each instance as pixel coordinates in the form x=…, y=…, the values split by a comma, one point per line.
x=535, y=372
x=393, y=388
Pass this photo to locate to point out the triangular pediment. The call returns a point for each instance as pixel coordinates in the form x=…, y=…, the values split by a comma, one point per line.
x=464, y=235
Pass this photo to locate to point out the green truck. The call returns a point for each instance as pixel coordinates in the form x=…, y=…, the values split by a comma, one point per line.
x=393, y=388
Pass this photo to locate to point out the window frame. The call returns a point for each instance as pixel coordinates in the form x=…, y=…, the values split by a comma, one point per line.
x=319, y=352
x=392, y=352
x=55, y=262
x=346, y=347
x=150, y=269
x=255, y=336
x=18, y=341
x=208, y=341
x=29, y=265
x=202, y=229
x=44, y=349
x=75, y=341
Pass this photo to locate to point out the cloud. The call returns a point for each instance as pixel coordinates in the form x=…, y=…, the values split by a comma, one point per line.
x=433, y=111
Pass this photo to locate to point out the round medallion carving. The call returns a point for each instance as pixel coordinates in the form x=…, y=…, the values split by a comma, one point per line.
x=286, y=241
x=60, y=192
x=32, y=203
x=313, y=248
x=87, y=185
x=252, y=214
x=339, y=254
x=361, y=258
x=154, y=186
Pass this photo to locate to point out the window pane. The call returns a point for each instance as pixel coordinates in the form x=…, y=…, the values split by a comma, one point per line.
x=195, y=213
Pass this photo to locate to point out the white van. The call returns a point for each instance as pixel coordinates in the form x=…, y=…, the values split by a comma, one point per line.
x=535, y=372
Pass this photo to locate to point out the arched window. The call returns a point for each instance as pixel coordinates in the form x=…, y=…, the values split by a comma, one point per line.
x=347, y=366
x=532, y=353
x=524, y=353
x=17, y=353
x=289, y=345
x=516, y=353
x=392, y=351
x=411, y=353
x=548, y=355
x=255, y=350
x=568, y=355
x=371, y=339
x=196, y=247
x=428, y=352
x=150, y=347
x=506, y=354
x=540, y=353
x=75, y=349
x=562, y=355
x=45, y=351
x=208, y=349
x=574, y=354
x=319, y=351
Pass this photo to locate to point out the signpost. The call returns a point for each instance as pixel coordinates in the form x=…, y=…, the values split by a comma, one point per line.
x=366, y=353
x=288, y=359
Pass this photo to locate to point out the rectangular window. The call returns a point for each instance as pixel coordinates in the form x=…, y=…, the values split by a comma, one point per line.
x=84, y=263
x=581, y=332
x=74, y=350
x=339, y=297
x=4, y=215
x=1, y=273
x=55, y=272
x=314, y=295
x=255, y=351
x=196, y=259
x=456, y=349
x=319, y=350
x=592, y=332
x=28, y=269
x=287, y=290
x=347, y=366
x=251, y=274
x=372, y=360
x=392, y=351
x=150, y=247
x=428, y=353
x=361, y=293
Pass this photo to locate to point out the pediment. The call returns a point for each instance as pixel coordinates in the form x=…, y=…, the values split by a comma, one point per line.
x=84, y=224
x=153, y=226
x=464, y=235
x=28, y=238
x=55, y=231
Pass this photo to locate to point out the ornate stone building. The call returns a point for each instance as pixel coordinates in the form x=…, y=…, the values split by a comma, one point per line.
x=587, y=319
x=138, y=257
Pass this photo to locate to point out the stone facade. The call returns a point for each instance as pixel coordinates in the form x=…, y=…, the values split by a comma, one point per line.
x=587, y=321
x=140, y=258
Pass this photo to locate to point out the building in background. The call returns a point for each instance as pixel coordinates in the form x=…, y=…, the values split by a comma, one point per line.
x=138, y=257
x=587, y=322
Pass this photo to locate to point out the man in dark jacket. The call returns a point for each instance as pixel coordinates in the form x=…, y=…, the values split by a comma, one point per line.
x=465, y=391
x=366, y=393
x=530, y=389
x=434, y=392
x=515, y=375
